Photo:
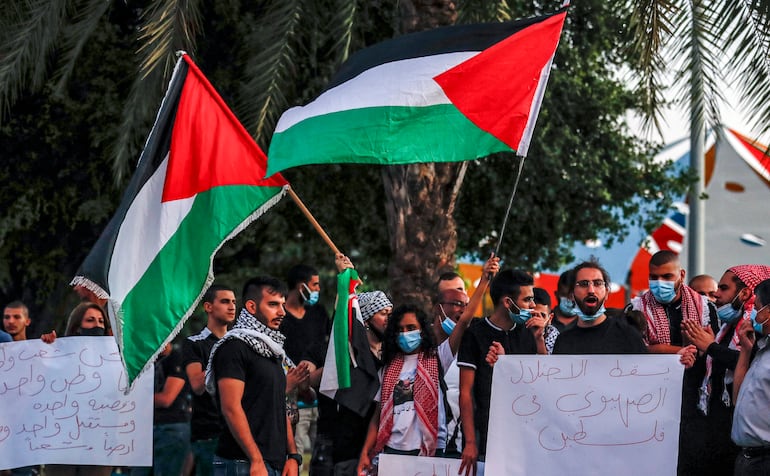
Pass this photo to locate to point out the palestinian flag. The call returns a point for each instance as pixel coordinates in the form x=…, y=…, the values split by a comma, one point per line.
x=350, y=373
x=199, y=182
x=444, y=95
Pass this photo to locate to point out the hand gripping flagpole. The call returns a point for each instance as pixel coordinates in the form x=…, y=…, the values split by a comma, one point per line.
x=510, y=204
x=313, y=221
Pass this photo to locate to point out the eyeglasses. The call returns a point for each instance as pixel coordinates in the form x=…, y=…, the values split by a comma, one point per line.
x=455, y=303
x=584, y=283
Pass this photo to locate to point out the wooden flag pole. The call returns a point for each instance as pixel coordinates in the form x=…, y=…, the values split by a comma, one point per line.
x=312, y=219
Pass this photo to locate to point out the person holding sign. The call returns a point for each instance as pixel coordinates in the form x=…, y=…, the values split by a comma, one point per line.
x=751, y=389
x=595, y=333
x=411, y=408
x=513, y=326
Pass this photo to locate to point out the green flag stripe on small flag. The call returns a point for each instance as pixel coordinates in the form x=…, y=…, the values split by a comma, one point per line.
x=394, y=102
x=345, y=311
x=199, y=182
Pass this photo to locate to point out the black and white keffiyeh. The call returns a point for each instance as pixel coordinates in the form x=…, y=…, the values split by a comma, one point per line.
x=263, y=340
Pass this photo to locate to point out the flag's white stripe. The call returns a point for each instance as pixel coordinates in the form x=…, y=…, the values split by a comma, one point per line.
x=146, y=228
x=534, y=109
x=398, y=83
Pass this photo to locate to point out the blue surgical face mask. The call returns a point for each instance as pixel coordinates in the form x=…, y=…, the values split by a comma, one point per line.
x=312, y=296
x=567, y=306
x=448, y=325
x=727, y=313
x=410, y=340
x=521, y=316
x=589, y=317
x=758, y=326
x=663, y=291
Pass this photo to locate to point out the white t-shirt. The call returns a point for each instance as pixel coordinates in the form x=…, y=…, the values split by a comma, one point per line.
x=406, y=432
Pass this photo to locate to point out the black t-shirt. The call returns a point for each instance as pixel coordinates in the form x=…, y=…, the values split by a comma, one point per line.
x=179, y=410
x=303, y=334
x=263, y=400
x=472, y=354
x=206, y=422
x=613, y=336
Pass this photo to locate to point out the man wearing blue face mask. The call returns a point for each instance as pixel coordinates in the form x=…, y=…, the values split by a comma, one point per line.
x=751, y=389
x=666, y=306
x=306, y=326
x=734, y=299
x=511, y=326
x=564, y=308
x=594, y=332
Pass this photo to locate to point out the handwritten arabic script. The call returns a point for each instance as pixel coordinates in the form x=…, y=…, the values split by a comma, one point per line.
x=618, y=412
x=64, y=403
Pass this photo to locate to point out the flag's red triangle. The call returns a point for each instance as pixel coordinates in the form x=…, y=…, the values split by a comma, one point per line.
x=209, y=146
x=495, y=89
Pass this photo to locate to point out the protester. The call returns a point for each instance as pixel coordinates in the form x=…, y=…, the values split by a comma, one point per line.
x=594, y=332
x=734, y=299
x=517, y=332
x=305, y=326
x=453, y=313
x=343, y=422
x=171, y=420
x=410, y=407
x=206, y=424
x=543, y=310
x=246, y=373
x=564, y=311
x=86, y=319
x=751, y=389
x=16, y=320
x=668, y=304
x=705, y=285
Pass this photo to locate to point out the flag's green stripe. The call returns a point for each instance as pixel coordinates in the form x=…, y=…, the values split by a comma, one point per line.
x=341, y=328
x=175, y=278
x=382, y=135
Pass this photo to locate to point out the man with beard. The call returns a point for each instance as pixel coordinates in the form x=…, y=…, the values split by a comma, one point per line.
x=205, y=425
x=668, y=304
x=594, y=332
x=734, y=300
x=246, y=373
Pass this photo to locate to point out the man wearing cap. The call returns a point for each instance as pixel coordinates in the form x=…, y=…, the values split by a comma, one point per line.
x=734, y=300
x=341, y=430
x=751, y=422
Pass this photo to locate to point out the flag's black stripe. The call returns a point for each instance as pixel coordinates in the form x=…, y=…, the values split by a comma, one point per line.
x=448, y=39
x=96, y=266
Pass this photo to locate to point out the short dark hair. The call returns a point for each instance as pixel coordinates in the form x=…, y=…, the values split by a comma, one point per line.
x=18, y=305
x=592, y=263
x=763, y=292
x=211, y=292
x=508, y=283
x=252, y=290
x=390, y=342
x=663, y=257
x=542, y=297
x=300, y=273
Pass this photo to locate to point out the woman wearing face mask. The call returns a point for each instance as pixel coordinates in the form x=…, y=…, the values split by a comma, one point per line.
x=409, y=418
x=87, y=319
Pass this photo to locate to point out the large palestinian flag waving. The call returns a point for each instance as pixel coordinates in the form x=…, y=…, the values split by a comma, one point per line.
x=199, y=182
x=449, y=94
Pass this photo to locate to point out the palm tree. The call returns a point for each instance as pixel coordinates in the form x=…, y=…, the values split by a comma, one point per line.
x=703, y=40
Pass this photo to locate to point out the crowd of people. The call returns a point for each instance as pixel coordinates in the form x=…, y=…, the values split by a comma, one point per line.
x=242, y=395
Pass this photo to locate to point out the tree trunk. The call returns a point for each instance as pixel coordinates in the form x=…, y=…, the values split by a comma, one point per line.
x=421, y=197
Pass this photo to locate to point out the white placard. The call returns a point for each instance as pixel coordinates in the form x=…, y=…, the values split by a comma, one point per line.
x=392, y=465
x=64, y=403
x=585, y=414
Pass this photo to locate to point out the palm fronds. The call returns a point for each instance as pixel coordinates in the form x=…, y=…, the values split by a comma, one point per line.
x=28, y=37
